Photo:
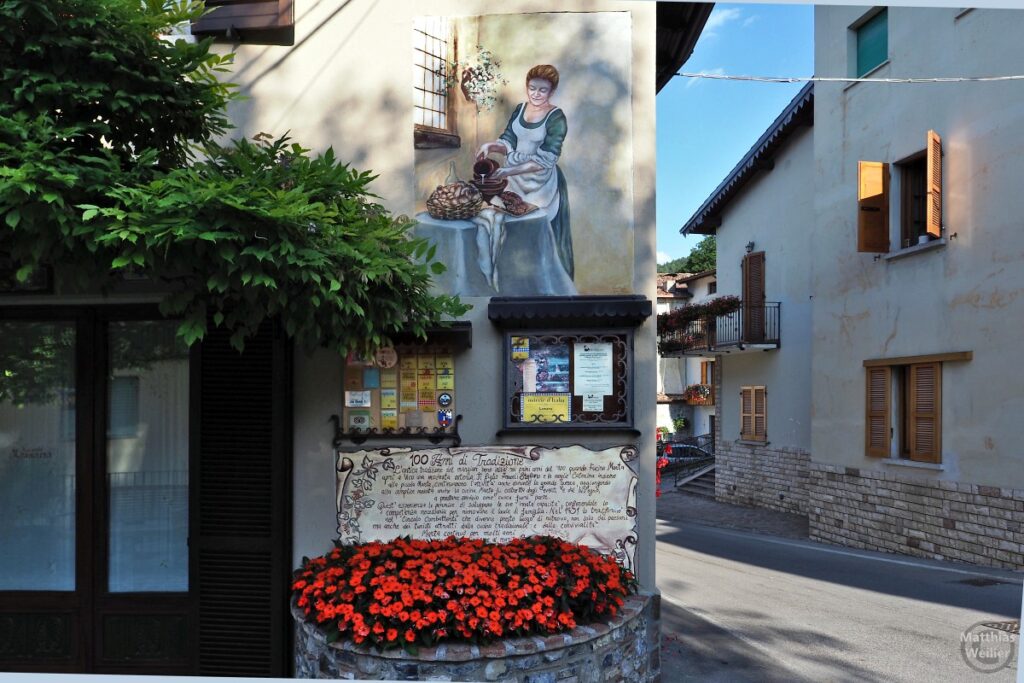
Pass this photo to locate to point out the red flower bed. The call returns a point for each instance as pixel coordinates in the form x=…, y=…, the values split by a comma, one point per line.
x=411, y=592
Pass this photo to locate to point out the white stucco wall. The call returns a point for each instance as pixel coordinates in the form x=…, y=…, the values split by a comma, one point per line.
x=965, y=296
x=671, y=370
x=676, y=373
x=346, y=83
x=776, y=212
x=699, y=421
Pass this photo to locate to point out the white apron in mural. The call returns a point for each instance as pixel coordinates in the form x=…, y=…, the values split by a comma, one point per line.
x=540, y=142
x=539, y=188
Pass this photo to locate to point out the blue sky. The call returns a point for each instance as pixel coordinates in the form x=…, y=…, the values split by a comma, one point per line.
x=705, y=126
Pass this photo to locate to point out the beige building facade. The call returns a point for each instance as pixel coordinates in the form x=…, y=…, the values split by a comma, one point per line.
x=889, y=235
x=918, y=338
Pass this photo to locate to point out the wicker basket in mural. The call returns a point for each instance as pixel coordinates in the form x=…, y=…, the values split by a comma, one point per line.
x=457, y=201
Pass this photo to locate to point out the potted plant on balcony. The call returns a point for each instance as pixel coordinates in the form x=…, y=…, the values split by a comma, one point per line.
x=698, y=394
x=692, y=325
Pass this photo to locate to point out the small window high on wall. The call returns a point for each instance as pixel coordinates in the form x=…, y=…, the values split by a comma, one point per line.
x=871, y=42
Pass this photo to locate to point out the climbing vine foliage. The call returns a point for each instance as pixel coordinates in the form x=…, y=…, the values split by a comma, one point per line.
x=113, y=160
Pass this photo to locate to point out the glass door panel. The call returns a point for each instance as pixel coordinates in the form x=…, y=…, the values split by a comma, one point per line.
x=37, y=456
x=147, y=457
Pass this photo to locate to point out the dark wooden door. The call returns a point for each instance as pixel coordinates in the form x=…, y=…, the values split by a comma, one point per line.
x=753, y=298
x=94, y=492
x=141, y=533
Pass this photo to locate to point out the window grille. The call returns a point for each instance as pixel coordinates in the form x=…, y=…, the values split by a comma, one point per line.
x=432, y=47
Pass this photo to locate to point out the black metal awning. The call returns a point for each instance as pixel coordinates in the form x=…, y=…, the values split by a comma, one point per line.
x=457, y=334
x=569, y=311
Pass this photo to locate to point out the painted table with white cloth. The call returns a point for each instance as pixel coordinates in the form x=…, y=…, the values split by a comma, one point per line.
x=497, y=254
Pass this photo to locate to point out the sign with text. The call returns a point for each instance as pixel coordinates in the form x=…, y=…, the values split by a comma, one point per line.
x=546, y=407
x=592, y=368
x=491, y=492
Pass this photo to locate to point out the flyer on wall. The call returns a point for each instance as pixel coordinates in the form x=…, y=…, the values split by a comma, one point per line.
x=592, y=368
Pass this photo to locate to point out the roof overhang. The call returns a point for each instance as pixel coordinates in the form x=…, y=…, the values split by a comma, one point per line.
x=761, y=157
x=679, y=26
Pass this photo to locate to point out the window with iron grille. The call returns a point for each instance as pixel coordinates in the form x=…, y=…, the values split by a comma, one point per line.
x=433, y=65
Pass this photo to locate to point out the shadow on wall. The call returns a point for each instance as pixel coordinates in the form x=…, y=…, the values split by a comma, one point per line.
x=318, y=93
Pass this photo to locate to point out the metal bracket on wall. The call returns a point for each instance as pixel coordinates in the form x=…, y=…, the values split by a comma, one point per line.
x=435, y=435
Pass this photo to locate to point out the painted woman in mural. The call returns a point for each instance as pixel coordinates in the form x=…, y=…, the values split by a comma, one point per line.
x=532, y=143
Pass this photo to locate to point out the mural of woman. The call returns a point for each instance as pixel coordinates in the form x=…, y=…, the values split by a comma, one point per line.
x=532, y=143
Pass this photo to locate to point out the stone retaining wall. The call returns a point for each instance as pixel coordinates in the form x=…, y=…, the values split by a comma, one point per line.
x=624, y=649
x=762, y=476
x=902, y=513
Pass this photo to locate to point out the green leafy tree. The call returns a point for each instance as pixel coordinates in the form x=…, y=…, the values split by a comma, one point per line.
x=676, y=265
x=701, y=258
x=101, y=125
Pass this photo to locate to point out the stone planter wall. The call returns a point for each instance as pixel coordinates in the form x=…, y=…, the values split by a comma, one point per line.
x=624, y=649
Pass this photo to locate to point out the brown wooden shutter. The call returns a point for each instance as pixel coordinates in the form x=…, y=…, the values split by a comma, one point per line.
x=253, y=21
x=925, y=412
x=703, y=372
x=879, y=395
x=760, y=413
x=933, y=205
x=872, y=206
x=747, y=413
x=241, y=512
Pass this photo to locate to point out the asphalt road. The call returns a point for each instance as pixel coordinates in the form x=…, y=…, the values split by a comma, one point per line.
x=738, y=606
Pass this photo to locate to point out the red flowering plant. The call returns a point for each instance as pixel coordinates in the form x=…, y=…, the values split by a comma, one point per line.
x=661, y=463
x=686, y=327
x=406, y=592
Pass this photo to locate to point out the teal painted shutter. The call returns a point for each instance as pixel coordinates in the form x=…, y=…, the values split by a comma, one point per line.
x=872, y=42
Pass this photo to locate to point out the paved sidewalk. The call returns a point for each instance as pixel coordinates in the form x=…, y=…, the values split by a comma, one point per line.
x=676, y=507
x=692, y=648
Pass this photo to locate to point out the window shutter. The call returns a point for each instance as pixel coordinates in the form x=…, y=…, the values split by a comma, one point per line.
x=760, y=413
x=703, y=372
x=254, y=21
x=241, y=510
x=933, y=205
x=872, y=207
x=926, y=412
x=753, y=297
x=879, y=396
x=747, y=413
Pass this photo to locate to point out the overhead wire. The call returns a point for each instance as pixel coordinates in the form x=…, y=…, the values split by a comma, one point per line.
x=829, y=79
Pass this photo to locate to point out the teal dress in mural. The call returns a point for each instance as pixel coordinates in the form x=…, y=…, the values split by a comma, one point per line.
x=541, y=142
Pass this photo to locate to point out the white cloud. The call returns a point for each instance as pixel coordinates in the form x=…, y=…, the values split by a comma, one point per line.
x=718, y=71
x=662, y=257
x=749, y=20
x=718, y=19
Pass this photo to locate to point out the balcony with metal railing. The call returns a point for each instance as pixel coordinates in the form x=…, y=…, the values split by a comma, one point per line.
x=749, y=328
